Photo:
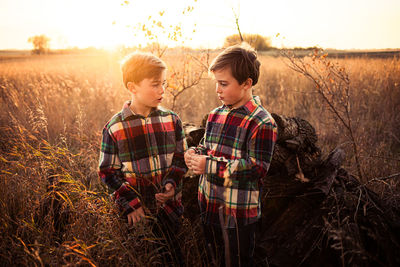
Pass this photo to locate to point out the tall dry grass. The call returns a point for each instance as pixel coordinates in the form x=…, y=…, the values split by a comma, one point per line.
x=54, y=211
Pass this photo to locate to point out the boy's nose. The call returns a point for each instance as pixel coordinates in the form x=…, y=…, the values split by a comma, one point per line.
x=161, y=90
x=217, y=89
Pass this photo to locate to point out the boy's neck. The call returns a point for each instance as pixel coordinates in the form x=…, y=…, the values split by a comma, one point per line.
x=243, y=101
x=139, y=108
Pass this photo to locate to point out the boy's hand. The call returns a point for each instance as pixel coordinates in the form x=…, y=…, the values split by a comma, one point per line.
x=168, y=194
x=188, y=157
x=135, y=216
x=198, y=163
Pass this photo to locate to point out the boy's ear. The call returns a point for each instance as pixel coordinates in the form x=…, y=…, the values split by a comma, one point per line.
x=248, y=83
x=131, y=87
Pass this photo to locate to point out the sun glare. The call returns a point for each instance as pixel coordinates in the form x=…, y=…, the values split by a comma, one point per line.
x=109, y=25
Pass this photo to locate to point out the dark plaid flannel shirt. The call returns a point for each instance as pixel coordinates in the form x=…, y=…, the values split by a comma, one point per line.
x=139, y=155
x=239, y=143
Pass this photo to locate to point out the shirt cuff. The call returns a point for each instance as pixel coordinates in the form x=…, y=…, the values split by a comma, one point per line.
x=132, y=206
x=211, y=165
x=135, y=203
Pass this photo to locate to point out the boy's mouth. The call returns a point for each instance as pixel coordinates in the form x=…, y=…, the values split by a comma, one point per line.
x=159, y=99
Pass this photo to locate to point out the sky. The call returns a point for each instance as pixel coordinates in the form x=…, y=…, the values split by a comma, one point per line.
x=340, y=24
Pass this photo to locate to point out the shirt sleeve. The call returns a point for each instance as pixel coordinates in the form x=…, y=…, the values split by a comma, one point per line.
x=255, y=165
x=178, y=167
x=124, y=195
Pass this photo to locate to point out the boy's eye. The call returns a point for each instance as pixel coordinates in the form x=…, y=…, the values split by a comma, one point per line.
x=164, y=84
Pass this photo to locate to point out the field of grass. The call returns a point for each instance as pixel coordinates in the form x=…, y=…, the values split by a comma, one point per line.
x=53, y=209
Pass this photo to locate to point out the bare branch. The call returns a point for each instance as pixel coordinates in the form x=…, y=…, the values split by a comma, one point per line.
x=333, y=84
x=384, y=177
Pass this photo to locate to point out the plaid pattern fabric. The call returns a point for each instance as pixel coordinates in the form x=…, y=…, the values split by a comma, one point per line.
x=139, y=155
x=239, y=144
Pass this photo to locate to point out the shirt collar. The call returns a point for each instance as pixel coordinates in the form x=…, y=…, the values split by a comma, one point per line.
x=127, y=111
x=249, y=106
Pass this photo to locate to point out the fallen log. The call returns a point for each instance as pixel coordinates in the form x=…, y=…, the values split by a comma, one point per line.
x=314, y=212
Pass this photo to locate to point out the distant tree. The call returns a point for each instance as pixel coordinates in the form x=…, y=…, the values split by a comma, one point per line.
x=40, y=44
x=257, y=41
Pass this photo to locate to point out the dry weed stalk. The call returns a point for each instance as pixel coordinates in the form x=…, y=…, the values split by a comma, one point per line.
x=333, y=85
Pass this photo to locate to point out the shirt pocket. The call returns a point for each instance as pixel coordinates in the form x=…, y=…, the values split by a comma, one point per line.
x=214, y=136
x=163, y=142
x=170, y=142
x=236, y=140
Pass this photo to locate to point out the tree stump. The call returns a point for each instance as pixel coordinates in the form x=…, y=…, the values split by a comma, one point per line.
x=314, y=213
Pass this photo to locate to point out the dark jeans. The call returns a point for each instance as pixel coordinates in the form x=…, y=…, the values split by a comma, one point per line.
x=167, y=231
x=241, y=251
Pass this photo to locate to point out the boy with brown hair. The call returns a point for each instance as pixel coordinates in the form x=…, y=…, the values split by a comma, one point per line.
x=233, y=157
x=141, y=156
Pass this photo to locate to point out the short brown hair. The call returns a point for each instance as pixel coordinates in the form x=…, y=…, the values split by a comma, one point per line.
x=242, y=60
x=138, y=66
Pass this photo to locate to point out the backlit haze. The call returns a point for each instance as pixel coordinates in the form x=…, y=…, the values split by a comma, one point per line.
x=341, y=24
